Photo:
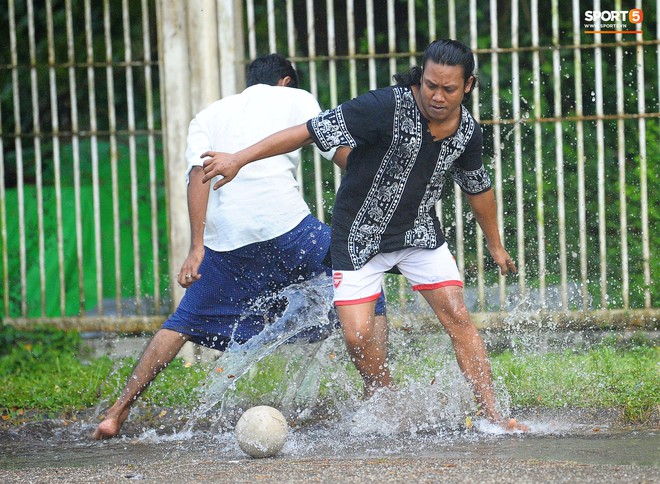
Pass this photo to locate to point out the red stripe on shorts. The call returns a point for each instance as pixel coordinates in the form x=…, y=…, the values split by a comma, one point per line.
x=437, y=285
x=358, y=301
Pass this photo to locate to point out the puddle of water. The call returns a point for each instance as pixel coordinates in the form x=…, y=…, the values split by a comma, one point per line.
x=622, y=448
x=21, y=449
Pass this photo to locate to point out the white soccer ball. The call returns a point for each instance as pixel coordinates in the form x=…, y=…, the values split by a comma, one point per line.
x=261, y=431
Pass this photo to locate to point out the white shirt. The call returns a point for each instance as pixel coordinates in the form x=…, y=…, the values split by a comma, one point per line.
x=263, y=201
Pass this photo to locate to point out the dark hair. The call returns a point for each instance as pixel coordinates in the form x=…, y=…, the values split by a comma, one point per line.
x=446, y=52
x=269, y=69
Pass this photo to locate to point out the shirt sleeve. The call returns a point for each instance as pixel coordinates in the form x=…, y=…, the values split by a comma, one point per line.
x=308, y=107
x=353, y=123
x=468, y=170
x=197, y=142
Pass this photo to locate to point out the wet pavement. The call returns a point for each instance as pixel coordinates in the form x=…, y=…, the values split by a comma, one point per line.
x=339, y=470
x=313, y=455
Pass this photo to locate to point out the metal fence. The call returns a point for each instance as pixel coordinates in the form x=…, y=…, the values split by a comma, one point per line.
x=81, y=208
x=91, y=204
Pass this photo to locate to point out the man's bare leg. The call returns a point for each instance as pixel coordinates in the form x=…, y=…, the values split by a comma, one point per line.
x=160, y=351
x=366, y=340
x=448, y=305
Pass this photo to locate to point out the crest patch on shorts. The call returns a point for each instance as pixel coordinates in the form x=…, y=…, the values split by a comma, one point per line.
x=336, y=278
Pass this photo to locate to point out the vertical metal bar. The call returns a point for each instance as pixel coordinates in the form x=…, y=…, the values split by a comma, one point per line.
x=433, y=31
x=311, y=48
x=352, y=68
x=451, y=14
x=332, y=74
x=458, y=193
x=451, y=11
x=476, y=112
x=290, y=29
x=412, y=32
x=559, y=154
x=56, y=154
x=621, y=155
x=458, y=200
x=291, y=36
x=3, y=228
x=401, y=281
x=98, y=255
x=538, y=156
x=130, y=107
x=602, y=234
x=18, y=143
x=497, y=137
x=272, y=35
x=36, y=123
x=114, y=156
x=151, y=146
x=371, y=45
x=517, y=151
x=3, y=224
x=252, y=34
x=391, y=37
x=75, y=142
x=582, y=204
x=643, y=182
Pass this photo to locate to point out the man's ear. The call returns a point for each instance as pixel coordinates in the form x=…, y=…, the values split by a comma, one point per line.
x=469, y=84
x=285, y=81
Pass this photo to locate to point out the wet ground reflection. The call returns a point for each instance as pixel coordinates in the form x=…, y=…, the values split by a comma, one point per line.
x=46, y=445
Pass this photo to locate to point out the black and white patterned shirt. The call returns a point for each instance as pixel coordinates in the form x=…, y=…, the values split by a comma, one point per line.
x=394, y=174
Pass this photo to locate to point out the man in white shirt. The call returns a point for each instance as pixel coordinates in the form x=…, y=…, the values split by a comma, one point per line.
x=248, y=241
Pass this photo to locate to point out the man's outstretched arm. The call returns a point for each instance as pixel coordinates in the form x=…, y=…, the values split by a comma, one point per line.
x=227, y=165
x=483, y=207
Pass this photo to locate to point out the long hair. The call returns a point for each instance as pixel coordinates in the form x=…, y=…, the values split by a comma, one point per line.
x=446, y=52
x=269, y=69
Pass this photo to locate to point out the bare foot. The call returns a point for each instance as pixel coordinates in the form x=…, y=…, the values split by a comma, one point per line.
x=111, y=426
x=512, y=425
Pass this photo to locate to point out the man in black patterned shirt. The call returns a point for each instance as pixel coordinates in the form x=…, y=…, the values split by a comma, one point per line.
x=405, y=140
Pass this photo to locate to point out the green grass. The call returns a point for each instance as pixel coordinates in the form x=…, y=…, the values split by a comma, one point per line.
x=603, y=377
x=111, y=249
x=43, y=374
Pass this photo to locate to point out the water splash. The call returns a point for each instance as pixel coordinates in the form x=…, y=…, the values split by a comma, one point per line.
x=317, y=384
x=305, y=317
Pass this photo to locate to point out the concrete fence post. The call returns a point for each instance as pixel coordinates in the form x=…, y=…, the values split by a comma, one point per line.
x=176, y=112
x=201, y=58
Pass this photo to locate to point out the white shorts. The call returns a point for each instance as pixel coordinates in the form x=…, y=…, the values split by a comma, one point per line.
x=426, y=269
